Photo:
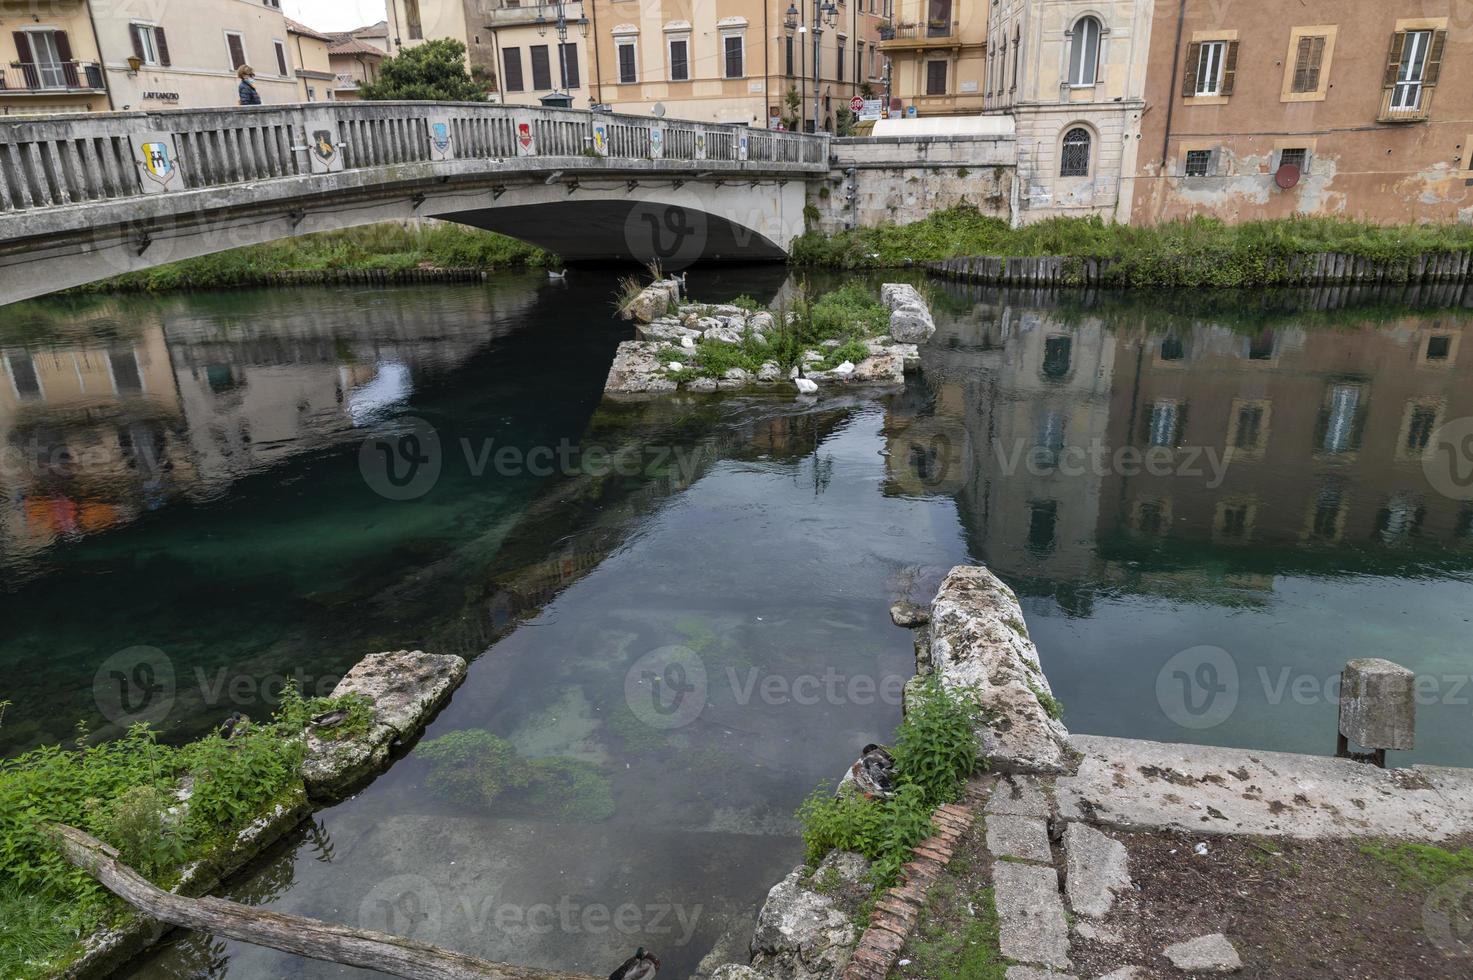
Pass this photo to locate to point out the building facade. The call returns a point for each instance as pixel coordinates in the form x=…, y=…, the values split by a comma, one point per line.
x=527, y=58
x=169, y=55
x=1073, y=73
x=1267, y=110
x=354, y=63
x=49, y=61
x=316, y=80
x=937, y=51
x=744, y=61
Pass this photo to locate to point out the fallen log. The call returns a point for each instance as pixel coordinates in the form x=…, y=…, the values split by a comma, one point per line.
x=288, y=933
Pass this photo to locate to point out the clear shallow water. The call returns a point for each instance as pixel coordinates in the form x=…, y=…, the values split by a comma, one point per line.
x=212, y=508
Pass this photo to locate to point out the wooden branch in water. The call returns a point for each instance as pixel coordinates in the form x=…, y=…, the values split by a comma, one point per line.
x=288, y=933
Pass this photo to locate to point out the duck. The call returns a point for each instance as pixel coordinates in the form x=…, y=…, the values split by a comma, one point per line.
x=233, y=724
x=805, y=386
x=874, y=772
x=330, y=719
x=643, y=965
x=556, y=274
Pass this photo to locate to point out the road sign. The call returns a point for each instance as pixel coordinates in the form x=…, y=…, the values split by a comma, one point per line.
x=856, y=104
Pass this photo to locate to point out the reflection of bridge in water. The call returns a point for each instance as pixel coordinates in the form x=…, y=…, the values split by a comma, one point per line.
x=87, y=198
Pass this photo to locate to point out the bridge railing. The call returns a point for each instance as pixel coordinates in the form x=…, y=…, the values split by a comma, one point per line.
x=84, y=158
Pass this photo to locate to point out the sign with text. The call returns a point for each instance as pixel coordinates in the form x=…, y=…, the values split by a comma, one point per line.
x=870, y=109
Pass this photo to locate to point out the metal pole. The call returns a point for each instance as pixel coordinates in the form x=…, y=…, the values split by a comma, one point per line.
x=817, y=58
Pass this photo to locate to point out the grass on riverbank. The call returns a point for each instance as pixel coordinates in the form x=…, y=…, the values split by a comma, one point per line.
x=123, y=793
x=385, y=247
x=1196, y=252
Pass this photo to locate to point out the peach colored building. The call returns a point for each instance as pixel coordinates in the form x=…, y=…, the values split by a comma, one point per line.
x=937, y=51
x=49, y=62
x=1262, y=109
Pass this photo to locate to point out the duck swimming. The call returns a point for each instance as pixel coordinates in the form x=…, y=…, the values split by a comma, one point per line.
x=641, y=966
x=874, y=772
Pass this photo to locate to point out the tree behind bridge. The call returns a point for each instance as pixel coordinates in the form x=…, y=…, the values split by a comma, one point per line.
x=433, y=72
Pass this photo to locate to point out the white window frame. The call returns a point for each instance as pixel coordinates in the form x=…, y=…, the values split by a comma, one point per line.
x=245, y=56
x=1079, y=40
x=672, y=39
x=630, y=41
x=1411, y=79
x=1213, y=54
x=149, y=34
x=726, y=35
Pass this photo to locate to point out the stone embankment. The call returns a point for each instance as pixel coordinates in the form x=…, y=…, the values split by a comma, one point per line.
x=405, y=688
x=1057, y=811
x=671, y=335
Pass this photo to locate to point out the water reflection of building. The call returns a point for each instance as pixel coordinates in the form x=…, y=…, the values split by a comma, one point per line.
x=1322, y=434
x=1121, y=444
x=91, y=435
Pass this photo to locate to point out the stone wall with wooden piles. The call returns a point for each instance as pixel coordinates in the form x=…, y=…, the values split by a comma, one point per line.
x=1313, y=269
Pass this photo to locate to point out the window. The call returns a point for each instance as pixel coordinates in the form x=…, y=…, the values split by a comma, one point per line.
x=570, y=66
x=843, y=45
x=679, y=59
x=1212, y=69
x=1057, y=356
x=1421, y=423
x=1199, y=163
x=45, y=59
x=23, y=377
x=1172, y=349
x=1165, y=425
x=1074, y=161
x=788, y=57
x=1341, y=419
x=818, y=57
x=281, y=68
x=938, y=19
x=1415, y=66
x=149, y=44
x=1439, y=347
x=734, y=47
x=859, y=63
x=511, y=69
x=1296, y=157
x=412, y=18
x=1248, y=427
x=1084, y=53
x=1326, y=521
x=935, y=78
x=628, y=70
x=1017, y=54
x=311, y=94
x=1043, y=520
x=1232, y=522
x=541, y=68
x=1308, y=62
x=236, y=44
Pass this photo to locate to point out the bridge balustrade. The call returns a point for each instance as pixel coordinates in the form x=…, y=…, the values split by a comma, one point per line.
x=85, y=158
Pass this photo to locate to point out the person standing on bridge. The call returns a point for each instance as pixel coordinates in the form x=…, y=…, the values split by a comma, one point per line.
x=248, y=93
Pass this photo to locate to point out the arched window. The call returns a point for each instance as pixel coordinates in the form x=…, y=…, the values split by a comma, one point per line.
x=1084, y=52
x=1075, y=158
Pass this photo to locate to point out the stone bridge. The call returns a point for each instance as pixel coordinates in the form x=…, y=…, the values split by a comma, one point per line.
x=92, y=196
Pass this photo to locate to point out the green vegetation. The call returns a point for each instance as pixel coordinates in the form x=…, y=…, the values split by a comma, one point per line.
x=1423, y=866
x=477, y=768
x=432, y=72
x=950, y=949
x=1191, y=253
x=384, y=247
x=124, y=792
x=849, y=315
x=1050, y=704
x=935, y=752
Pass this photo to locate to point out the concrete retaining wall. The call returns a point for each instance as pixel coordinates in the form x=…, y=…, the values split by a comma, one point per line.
x=900, y=180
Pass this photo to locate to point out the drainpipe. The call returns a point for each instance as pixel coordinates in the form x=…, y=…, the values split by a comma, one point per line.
x=767, y=42
x=1181, y=19
x=590, y=13
x=107, y=85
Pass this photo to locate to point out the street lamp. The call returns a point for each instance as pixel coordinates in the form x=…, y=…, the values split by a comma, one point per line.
x=561, y=25
x=823, y=14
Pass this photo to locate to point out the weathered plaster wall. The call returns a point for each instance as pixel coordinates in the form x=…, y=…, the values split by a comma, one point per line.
x=1359, y=166
x=900, y=180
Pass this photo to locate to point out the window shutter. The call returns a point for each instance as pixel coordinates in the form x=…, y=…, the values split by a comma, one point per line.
x=1230, y=68
x=23, y=48
x=281, y=68
x=1393, y=65
x=1194, y=64
x=137, y=38
x=162, y=43
x=1434, y=60
x=63, y=45
x=237, y=50
x=570, y=61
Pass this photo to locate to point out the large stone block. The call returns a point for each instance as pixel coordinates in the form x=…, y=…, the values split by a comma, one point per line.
x=1378, y=705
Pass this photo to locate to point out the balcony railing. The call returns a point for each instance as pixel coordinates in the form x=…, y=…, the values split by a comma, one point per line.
x=500, y=13
x=1407, y=103
x=66, y=76
x=931, y=30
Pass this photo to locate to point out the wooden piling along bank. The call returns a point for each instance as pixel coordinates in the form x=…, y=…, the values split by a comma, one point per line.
x=1315, y=269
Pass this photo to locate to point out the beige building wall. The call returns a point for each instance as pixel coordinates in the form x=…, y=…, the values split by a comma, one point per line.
x=774, y=61
x=314, y=70
x=188, y=53
x=937, y=51
x=1073, y=74
x=53, y=65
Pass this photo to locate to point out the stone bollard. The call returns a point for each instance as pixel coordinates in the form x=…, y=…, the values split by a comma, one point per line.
x=1378, y=708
